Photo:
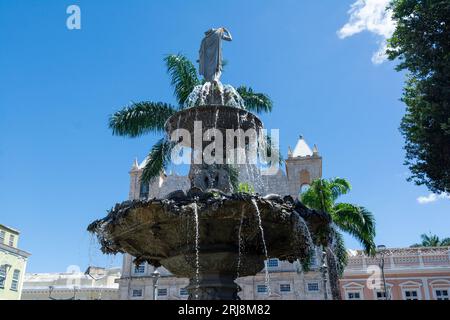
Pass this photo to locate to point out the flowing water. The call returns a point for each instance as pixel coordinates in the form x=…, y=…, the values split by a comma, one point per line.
x=267, y=282
x=197, y=250
x=240, y=244
x=209, y=94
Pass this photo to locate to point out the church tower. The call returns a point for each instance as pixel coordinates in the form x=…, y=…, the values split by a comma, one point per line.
x=303, y=165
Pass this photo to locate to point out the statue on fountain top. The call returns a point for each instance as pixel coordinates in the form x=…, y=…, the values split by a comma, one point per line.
x=210, y=61
x=212, y=92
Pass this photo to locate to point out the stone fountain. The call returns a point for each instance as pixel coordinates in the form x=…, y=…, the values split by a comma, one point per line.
x=212, y=234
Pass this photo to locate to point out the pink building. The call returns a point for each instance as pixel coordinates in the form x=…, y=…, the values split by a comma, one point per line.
x=409, y=274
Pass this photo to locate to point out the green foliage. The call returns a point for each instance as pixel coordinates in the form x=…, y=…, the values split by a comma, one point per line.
x=432, y=240
x=421, y=45
x=234, y=176
x=157, y=160
x=140, y=118
x=245, y=187
x=358, y=222
x=183, y=76
x=341, y=253
x=355, y=220
x=257, y=102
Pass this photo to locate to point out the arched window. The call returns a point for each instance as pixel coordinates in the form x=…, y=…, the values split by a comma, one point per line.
x=305, y=177
x=303, y=188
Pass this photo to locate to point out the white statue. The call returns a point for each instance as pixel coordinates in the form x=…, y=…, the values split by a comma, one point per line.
x=210, y=62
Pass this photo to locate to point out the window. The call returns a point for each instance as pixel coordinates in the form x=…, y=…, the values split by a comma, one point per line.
x=354, y=295
x=2, y=276
x=136, y=293
x=285, y=287
x=313, y=286
x=11, y=240
x=15, y=280
x=139, y=269
x=162, y=292
x=144, y=191
x=381, y=295
x=272, y=263
x=261, y=288
x=304, y=188
x=2, y=236
x=184, y=292
x=441, y=294
x=411, y=295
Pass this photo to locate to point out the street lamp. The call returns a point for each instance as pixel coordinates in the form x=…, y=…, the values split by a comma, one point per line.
x=324, y=270
x=381, y=250
x=75, y=289
x=155, y=277
x=50, y=290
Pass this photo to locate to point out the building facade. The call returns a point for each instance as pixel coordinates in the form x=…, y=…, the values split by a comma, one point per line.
x=13, y=262
x=409, y=274
x=94, y=284
x=303, y=165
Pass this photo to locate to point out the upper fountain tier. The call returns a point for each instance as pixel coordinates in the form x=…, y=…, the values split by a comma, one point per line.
x=214, y=94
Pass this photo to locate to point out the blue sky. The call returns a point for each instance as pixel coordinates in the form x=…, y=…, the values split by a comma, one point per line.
x=60, y=167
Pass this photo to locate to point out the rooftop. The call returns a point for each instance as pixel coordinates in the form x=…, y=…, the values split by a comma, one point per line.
x=302, y=149
x=2, y=226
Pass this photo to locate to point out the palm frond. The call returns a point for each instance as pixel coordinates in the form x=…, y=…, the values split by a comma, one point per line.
x=358, y=222
x=140, y=118
x=318, y=196
x=157, y=160
x=339, y=187
x=257, y=102
x=183, y=76
x=430, y=240
x=445, y=242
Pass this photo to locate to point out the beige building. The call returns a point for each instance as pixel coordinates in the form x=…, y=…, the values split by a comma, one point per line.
x=409, y=274
x=286, y=281
x=94, y=284
x=13, y=262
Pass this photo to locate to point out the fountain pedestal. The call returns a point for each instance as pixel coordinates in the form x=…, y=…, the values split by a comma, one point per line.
x=213, y=286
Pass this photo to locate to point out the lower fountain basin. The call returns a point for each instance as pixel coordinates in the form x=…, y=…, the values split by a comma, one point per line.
x=163, y=232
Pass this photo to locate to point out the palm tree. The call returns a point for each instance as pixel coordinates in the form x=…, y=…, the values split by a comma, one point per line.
x=149, y=117
x=432, y=240
x=350, y=218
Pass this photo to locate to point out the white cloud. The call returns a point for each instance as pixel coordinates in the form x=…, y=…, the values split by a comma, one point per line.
x=372, y=16
x=432, y=197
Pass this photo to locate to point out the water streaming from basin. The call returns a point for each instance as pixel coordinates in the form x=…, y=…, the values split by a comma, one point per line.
x=267, y=278
x=240, y=243
x=197, y=250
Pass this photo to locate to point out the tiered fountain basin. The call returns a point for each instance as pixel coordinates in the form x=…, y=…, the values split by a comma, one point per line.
x=230, y=242
x=210, y=234
x=218, y=117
